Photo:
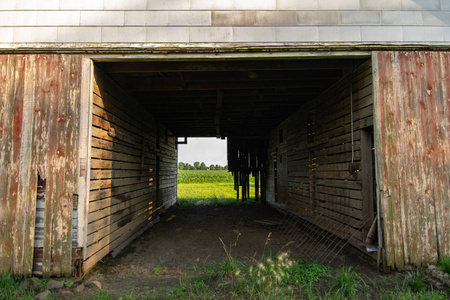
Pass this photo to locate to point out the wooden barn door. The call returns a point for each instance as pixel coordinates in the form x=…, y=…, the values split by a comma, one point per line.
x=38, y=134
x=411, y=109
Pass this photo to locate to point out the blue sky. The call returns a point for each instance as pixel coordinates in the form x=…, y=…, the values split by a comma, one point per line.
x=207, y=150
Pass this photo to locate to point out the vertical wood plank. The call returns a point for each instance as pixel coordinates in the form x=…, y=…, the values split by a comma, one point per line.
x=28, y=168
x=409, y=158
x=17, y=236
x=58, y=162
x=3, y=142
x=48, y=156
x=41, y=89
x=367, y=180
x=84, y=151
x=413, y=91
x=429, y=120
x=385, y=88
x=71, y=165
x=442, y=183
x=6, y=159
x=396, y=161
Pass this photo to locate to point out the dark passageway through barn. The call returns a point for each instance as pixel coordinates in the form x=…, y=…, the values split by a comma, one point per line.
x=296, y=123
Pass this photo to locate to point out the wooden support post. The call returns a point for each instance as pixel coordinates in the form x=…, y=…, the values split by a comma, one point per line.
x=236, y=184
x=366, y=170
x=247, y=178
x=257, y=186
x=243, y=186
x=218, y=113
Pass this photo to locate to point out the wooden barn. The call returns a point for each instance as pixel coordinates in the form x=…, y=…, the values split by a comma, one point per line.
x=340, y=108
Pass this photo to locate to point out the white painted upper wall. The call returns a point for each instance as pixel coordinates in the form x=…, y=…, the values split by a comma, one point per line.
x=424, y=22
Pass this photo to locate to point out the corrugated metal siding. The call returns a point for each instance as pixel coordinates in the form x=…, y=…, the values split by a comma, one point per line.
x=39, y=134
x=412, y=111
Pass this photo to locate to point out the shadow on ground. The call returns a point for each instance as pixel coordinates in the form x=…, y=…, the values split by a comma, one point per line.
x=189, y=238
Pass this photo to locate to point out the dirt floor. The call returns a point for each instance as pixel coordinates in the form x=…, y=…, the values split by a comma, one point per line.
x=187, y=238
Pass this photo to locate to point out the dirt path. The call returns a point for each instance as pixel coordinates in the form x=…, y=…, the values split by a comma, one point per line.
x=185, y=240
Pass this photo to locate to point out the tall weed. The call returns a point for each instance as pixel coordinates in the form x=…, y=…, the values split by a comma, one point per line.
x=444, y=262
x=347, y=282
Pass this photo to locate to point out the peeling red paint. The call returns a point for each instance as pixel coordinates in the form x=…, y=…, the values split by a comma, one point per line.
x=60, y=151
x=18, y=115
x=413, y=119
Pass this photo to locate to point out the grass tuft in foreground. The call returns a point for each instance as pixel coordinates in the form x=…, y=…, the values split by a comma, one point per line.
x=347, y=282
x=444, y=262
x=416, y=280
x=13, y=287
x=10, y=287
x=271, y=277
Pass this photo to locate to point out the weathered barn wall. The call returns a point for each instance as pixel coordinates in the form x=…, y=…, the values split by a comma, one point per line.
x=277, y=193
x=323, y=188
x=39, y=134
x=225, y=21
x=412, y=117
x=133, y=170
x=39, y=231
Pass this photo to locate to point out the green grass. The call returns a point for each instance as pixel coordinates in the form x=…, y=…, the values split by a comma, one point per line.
x=271, y=277
x=444, y=262
x=347, y=282
x=303, y=272
x=198, y=187
x=406, y=294
x=11, y=287
x=204, y=176
x=416, y=280
x=208, y=194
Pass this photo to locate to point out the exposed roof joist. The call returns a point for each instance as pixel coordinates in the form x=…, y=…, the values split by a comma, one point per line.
x=232, y=65
x=175, y=84
x=218, y=98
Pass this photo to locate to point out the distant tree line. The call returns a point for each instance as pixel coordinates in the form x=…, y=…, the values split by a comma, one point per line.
x=199, y=166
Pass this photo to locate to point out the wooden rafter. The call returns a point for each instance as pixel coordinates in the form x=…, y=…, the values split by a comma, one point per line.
x=255, y=95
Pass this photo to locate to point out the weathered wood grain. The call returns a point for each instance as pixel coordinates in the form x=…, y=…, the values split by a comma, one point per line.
x=320, y=148
x=412, y=116
x=39, y=117
x=133, y=170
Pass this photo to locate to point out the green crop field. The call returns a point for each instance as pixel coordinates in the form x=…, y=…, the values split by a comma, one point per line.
x=203, y=187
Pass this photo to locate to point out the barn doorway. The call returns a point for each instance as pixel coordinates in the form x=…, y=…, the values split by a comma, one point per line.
x=203, y=176
x=312, y=110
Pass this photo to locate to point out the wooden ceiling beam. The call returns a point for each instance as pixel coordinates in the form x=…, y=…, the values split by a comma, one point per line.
x=262, y=75
x=169, y=102
x=170, y=85
x=211, y=94
x=234, y=65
